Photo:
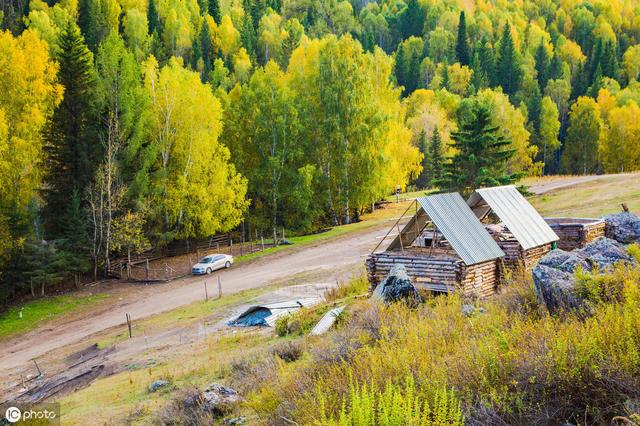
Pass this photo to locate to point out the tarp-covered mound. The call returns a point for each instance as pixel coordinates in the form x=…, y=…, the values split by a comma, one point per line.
x=554, y=277
x=267, y=315
x=397, y=287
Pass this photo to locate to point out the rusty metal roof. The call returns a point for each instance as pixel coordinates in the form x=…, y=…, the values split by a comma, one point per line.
x=462, y=229
x=524, y=222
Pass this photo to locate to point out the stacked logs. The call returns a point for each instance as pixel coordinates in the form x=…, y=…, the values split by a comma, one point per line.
x=576, y=233
x=435, y=270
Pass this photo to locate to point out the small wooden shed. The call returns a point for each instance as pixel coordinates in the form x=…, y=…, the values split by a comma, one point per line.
x=514, y=224
x=459, y=255
x=576, y=232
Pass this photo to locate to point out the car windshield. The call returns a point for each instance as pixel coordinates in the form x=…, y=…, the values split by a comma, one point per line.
x=208, y=259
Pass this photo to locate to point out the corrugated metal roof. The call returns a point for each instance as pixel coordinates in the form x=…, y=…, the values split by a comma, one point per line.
x=524, y=222
x=462, y=229
x=327, y=321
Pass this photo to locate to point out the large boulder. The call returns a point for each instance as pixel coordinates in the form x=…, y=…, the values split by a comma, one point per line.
x=623, y=227
x=555, y=288
x=397, y=287
x=219, y=399
x=566, y=261
x=603, y=252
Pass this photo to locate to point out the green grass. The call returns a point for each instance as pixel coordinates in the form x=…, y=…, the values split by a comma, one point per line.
x=39, y=311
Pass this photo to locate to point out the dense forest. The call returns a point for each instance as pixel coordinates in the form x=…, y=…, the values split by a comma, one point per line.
x=129, y=124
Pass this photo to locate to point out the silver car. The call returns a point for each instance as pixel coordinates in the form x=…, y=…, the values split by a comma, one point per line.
x=211, y=263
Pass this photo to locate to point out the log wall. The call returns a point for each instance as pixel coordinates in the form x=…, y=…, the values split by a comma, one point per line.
x=442, y=271
x=576, y=233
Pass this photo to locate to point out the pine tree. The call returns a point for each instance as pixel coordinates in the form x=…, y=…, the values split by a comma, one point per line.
x=542, y=66
x=435, y=156
x=445, y=76
x=609, y=61
x=206, y=48
x=462, y=46
x=70, y=149
x=482, y=154
x=400, y=66
x=411, y=21
x=248, y=35
x=214, y=10
x=487, y=62
x=153, y=20
x=423, y=179
x=508, y=70
x=555, y=68
x=534, y=103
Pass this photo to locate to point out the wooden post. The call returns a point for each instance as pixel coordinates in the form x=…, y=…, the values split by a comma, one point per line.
x=400, y=239
x=206, y=292
x=146, y=269
x=262, y=238
x=625, y=208
x=219, y=287
x=37, y=368
x=129, y=325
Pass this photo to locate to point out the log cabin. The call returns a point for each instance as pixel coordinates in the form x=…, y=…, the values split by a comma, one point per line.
x=515, y=225
x=576, y=232
x=443, y=247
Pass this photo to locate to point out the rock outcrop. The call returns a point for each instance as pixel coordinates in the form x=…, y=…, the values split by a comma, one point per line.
x=397, y=287
x=623, y=227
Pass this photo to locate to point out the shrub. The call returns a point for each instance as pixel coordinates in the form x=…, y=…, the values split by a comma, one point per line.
x=397, y=405
x=288, y=351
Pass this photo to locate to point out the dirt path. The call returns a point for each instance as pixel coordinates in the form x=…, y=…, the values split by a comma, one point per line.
x=566, y=181
x=330, y=257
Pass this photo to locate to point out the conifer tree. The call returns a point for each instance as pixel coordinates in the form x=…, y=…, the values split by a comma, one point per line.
x=248, y=36
x=214, y=10
x=411, y=20
x=481, y=157
x=70, y=149
x=542, y=66
x=462, y=46
x=153, y=20
x=555, y=68
x=435, y=157
x=508, y=70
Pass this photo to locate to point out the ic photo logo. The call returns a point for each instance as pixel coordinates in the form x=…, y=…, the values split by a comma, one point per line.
x=47, y=413
x=13, y=414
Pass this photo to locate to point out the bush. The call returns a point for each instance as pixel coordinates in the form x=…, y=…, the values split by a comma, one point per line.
x=288, y=351
x=397, y=405
x=511, y=364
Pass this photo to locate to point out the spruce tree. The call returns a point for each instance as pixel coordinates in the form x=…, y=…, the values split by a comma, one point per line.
x=206, y=49
x=481, y=157
x=411, y=21
x=462, y=46
x=214, y=10
x=400, y=66
x=71, y=151
x=508, y=70
x=609, y=61
x=534, y=103
x=435, y=157
x=153, y=20
x=445, y=76
x=542, y=66
x=248, y=36
x=555, y=68
x=423, y=179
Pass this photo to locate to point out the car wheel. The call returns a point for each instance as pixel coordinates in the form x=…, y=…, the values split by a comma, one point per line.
x=227, y=265
x=208, y=271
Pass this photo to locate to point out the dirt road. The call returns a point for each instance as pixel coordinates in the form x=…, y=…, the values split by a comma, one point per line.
x=330, y=257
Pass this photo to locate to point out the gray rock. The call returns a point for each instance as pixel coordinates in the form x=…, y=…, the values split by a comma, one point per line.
x=623, y=227
x=566, y=261
x=603, y=252
x=470, y=310
x=158, y=384
x=397, y=287
x=555, y=288
x=219, y=399
x=235, y=421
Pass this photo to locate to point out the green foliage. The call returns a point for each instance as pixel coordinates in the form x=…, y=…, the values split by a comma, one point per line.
x=511, y=364
x=481, y=157
x=462, y=47
x=508, y=69
x=71, y=150
x=398, y=405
